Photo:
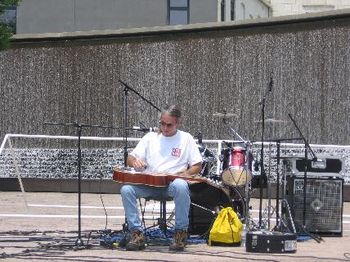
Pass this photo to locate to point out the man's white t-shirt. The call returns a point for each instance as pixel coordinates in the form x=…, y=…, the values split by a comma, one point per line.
x=167, y=154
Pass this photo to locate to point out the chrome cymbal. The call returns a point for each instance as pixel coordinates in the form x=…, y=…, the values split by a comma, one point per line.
x=271, y=120
x=224, y=115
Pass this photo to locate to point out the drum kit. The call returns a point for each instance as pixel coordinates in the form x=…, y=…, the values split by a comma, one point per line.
x=230, y=187
x=231, y=171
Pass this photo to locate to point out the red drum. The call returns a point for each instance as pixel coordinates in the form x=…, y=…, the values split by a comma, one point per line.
x=237, y=158
x=236, y=167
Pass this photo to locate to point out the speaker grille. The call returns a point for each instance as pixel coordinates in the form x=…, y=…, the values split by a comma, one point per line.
x=324, y=204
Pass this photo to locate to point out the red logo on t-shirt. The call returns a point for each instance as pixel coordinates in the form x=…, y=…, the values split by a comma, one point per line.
x=176, y=152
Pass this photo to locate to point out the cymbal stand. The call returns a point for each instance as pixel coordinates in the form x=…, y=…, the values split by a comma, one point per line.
x=79, y=242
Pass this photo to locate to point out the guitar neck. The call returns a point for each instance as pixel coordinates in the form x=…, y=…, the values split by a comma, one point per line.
x=187, y=178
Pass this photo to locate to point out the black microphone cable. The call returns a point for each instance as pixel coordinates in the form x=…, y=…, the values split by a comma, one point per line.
x=101, y=198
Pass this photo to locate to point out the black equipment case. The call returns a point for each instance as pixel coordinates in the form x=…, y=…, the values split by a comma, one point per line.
x=271, y=242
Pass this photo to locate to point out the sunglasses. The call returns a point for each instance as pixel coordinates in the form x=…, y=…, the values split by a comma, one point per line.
x=166, y=124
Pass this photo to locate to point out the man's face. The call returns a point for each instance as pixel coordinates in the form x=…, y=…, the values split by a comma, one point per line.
x=168, y=124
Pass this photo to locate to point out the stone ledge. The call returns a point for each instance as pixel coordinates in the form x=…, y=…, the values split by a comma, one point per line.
x=97, y=186
x=60, y=185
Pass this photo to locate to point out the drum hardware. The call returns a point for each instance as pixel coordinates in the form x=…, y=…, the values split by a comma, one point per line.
x=208, y=159
x=240, y=202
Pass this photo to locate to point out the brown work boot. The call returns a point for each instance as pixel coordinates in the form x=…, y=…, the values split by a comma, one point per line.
x=179, y=242
x=137, y=241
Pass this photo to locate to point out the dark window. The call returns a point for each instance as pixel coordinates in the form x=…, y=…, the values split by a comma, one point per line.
x=232, y=11
x=178, y=12
x=222, y=10
x=8, y=17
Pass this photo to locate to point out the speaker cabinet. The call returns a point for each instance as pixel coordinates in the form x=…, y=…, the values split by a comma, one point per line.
x=323, y=204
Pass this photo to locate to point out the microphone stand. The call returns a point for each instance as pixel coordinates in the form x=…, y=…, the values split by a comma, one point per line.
x=125, y=112
x=278, y=156
x=306, y=148
x=79, y=242
x=262, y=179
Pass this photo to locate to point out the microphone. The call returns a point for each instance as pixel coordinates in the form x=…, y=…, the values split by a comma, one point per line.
x=227, y=144
x=145, y=129
x=200, y=138
x=270, y=84
x=256, y=165
x=318, y=163
x=316, y=159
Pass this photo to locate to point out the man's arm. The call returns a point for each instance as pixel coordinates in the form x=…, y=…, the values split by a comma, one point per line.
x=193, y=170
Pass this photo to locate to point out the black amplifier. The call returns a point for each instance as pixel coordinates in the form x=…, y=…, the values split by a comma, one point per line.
x=271, y=242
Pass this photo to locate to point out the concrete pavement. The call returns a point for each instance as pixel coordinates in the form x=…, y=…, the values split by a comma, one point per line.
x=44, y=226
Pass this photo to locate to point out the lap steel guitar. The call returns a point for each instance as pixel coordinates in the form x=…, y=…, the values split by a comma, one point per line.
x=130, y=176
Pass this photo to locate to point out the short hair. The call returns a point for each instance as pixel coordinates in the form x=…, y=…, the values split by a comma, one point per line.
x=172, y=110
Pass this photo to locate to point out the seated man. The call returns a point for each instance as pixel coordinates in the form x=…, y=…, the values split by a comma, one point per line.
x=169, y=151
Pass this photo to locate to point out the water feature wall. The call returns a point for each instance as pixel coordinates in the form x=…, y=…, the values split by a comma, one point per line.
x=205, y=71
x=298, y=68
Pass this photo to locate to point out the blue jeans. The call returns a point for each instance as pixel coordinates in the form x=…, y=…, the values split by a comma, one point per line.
x=178, y=190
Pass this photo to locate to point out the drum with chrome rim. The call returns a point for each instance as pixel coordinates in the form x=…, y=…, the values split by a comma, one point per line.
x=236, y=168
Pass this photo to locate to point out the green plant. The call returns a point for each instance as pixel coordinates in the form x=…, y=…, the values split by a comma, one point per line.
x=6, y=30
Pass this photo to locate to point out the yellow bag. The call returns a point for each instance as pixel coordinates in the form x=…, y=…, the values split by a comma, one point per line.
x=226, y=230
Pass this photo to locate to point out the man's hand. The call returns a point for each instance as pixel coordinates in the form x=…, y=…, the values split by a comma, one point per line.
x=137, y=164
